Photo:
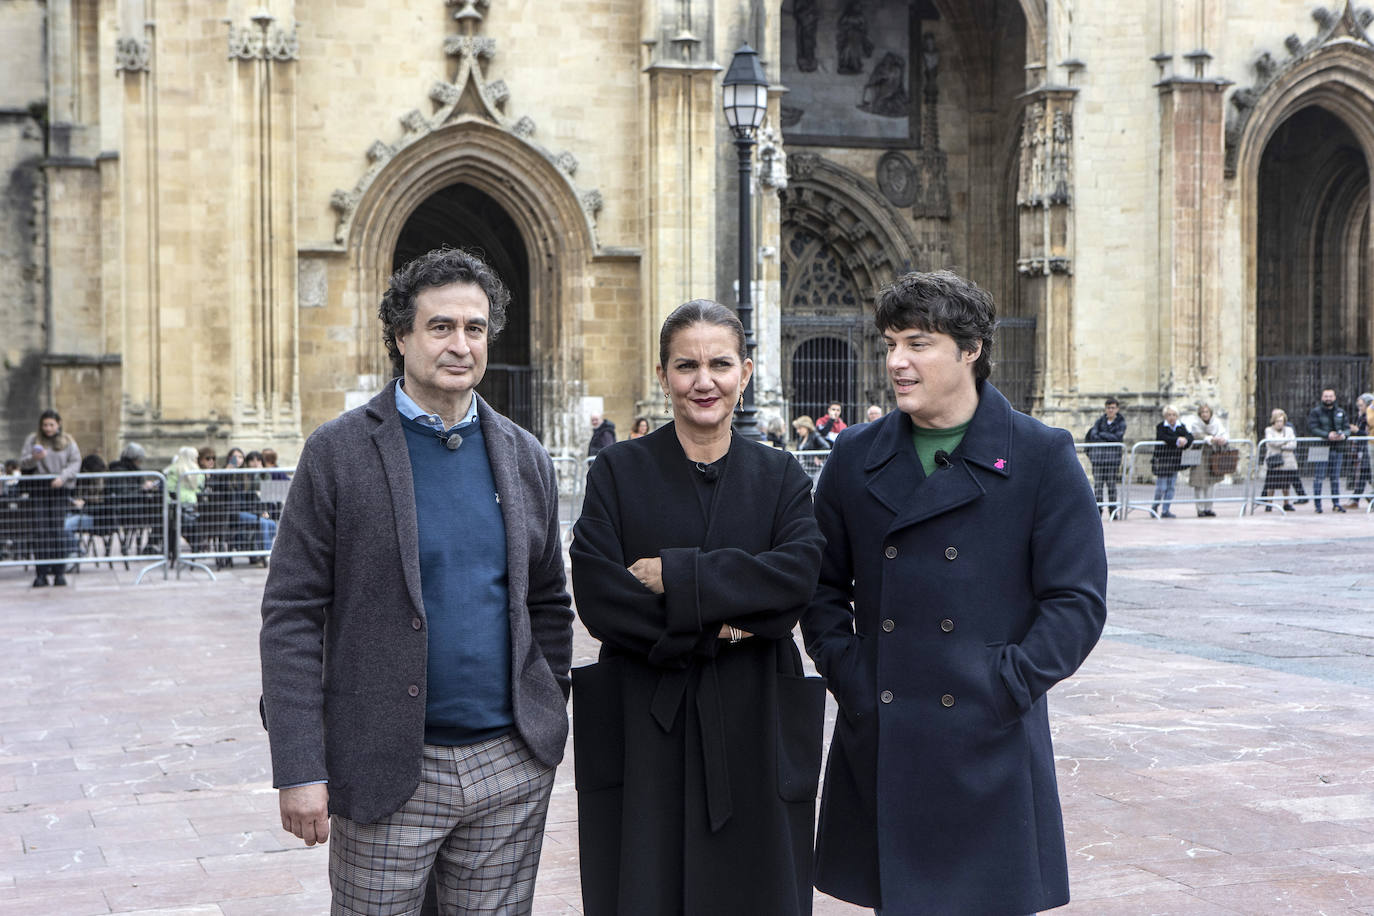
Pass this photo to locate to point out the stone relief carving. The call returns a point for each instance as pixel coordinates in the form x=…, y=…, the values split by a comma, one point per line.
x=472, y=51
x=772, y=165
x=1347, y=25
x=897, y=179
x=931, y=185
x=807, y=17
x=263, y=41
x=1046, y=158
x=132, y=55
x=469, y=9
x=802, y=165
x=852, y=43
x=885, y=92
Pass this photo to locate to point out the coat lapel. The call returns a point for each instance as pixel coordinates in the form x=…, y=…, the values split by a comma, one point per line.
x=390, y=439
x=501, y=455
x=896, y=479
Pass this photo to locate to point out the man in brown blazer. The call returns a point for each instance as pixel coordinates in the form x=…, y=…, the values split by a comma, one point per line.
x=417, y=630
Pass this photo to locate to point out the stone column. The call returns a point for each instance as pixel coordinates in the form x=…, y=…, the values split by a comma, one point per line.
x=682, y=150
x=265, y=405
x=1045, y=262
x=1191, y=211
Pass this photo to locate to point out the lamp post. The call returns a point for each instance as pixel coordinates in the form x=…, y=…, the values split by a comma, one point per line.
x=745, y=100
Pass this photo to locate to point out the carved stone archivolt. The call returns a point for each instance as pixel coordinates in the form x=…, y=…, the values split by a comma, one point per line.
x=1345, y=27
x=469, y=94
x=851, y=215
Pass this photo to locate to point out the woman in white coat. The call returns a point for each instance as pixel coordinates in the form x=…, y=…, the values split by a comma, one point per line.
x=1207, y=429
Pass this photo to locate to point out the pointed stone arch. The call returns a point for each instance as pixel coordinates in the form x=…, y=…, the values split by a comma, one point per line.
x=539, y=198
x=1337, y=78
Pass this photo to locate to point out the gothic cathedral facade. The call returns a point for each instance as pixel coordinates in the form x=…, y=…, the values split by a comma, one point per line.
x=1169, y=200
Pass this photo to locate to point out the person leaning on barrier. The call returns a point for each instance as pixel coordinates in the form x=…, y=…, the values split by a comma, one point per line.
x=1280, y=460
x=1208, y=429
x=1105, y=460
x=50, y=451
x=1327, y=421
x=1167, y=458
x=85, y=503
x=416, y=625
x=1360, y=451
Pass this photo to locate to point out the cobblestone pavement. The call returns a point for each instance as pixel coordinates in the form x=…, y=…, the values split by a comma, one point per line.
x=1216, y=752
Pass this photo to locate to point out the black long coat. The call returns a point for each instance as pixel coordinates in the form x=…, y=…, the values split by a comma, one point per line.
x=1168, y=458
x=974, y=591
x=696, y=759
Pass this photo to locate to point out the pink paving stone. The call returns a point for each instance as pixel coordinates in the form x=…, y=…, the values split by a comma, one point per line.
x=1158, y=752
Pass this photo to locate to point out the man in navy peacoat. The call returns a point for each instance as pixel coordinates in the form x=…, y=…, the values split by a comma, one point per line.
x=964, y=575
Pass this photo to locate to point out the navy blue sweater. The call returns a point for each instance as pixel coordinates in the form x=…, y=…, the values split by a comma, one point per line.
x=463, y=581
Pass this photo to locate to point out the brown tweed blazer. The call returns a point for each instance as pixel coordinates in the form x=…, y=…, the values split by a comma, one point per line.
x=343, y=640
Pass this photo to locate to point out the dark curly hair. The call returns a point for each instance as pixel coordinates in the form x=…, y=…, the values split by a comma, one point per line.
x=942, y=303
x=439, y=267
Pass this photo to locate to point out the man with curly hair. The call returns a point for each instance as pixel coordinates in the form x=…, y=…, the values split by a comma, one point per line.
x=417, y=630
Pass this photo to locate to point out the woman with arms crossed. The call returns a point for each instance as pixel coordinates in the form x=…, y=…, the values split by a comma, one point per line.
x=697, y=736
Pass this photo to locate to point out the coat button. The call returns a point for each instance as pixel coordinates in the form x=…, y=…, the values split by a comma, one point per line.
x=413, y=690
x=947, y=625
x=890, y=553
x=947, y=701
x=889, y=625
x=886, y=696
x=951, y=553
x=415, y=623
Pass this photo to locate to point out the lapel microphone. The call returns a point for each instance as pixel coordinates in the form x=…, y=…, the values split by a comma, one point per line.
x=941, y=458
x=452, y=440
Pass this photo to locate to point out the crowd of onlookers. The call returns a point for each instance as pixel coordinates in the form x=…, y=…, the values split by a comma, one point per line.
x=1334, y=440
x=72, y=500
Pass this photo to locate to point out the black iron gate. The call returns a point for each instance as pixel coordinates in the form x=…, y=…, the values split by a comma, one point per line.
x=1295, y=383
x=510, y=391
x=1013, y=359
x=825, y=369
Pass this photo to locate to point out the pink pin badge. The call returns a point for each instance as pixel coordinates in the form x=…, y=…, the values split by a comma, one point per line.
x=1000, y=463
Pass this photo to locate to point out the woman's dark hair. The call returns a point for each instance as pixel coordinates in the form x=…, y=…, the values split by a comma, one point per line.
x=439, y=267
x=49, y=414
x=93, y=464
x=229, y=454
x=941, y=303
x=698, y=311
x=254, y=456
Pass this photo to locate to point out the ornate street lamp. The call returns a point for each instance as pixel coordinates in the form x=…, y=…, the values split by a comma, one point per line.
x=745, y=100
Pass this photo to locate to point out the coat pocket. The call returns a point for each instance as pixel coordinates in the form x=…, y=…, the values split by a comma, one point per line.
x=801, y=728
x=598, y=726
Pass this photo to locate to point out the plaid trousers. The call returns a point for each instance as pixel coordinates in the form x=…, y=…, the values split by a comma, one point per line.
x=477, y=818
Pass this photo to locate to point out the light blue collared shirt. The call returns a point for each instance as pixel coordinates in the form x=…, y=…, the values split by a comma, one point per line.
x=412, y=411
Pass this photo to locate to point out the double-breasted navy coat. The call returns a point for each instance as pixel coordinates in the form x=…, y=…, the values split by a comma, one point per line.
x=974, y=591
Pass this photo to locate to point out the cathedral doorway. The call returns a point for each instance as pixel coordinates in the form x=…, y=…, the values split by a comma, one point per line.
x=1313, y=258
x=462, y=216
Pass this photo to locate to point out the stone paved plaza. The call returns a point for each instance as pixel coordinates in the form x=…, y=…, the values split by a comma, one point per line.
x=1216, y=752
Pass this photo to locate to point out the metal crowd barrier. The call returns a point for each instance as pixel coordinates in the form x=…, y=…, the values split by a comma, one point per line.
x=108, y=517
x=1233, y=487
x=1313, y=458
x=1101, y=461
x=812, y=461
x=572, y=479
x=234, y=514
